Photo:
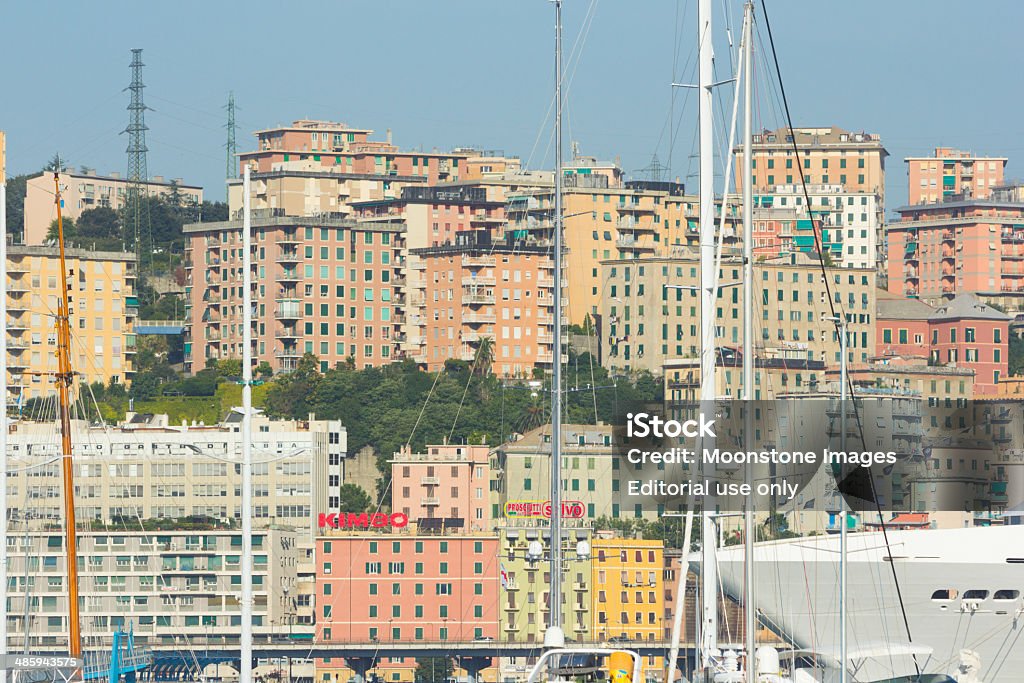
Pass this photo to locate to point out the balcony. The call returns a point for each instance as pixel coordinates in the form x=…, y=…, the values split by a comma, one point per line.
x=288, y=256
x=287, y=333
x=471, y=281
x=17, y=267
x=288, y=352
x=289, y=275
x=288, y=238
x=638, y=207
x=430, y=481
x=17, y=323
x=479, y=318
x=430, y=502
x=478, y=261
x=288, y=312
x=477, y=298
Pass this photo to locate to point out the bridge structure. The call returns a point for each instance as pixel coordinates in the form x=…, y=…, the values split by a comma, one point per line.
x=164, y=327
x=184, y=659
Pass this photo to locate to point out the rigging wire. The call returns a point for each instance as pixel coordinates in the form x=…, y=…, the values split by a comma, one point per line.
x=842, y=330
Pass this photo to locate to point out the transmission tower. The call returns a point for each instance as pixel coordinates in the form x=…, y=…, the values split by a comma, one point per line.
x=136, y=206
x=232, y=168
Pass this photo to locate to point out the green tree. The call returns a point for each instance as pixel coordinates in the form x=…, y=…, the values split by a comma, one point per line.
x=292, y=394
x=1016, y=358
x=264, y=371
x=229, y=367
x=433, y=669
x=352, y=498
x=16, y=188
x=484, y=358
x=99, y=222
x=69, y=230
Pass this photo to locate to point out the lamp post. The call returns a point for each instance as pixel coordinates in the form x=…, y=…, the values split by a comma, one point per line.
x=841, y=327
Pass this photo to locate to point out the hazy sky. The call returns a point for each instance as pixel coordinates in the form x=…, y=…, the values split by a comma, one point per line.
x=444, y=73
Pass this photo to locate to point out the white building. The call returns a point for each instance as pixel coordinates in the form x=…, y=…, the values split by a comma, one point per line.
x=852, y=218
x=148, y=469
x=169, y=586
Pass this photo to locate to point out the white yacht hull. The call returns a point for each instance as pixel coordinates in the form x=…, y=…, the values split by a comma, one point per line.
x=797, y=590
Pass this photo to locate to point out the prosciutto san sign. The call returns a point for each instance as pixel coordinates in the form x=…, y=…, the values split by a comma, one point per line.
x=571, y=509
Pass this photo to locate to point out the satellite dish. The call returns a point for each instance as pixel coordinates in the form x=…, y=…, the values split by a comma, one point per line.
x=583, y=550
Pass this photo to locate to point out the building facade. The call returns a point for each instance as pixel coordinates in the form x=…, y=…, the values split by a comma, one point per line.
x=975, y=245
x=828, y=156
x=86, y=190
x=650, y=314
x=445, y=483
x=148, y=469
x=104, y=308
x=165, y=585
x=329, y=287
x=949, y=172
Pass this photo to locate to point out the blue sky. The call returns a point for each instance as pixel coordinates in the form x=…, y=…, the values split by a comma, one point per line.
x=449, y=73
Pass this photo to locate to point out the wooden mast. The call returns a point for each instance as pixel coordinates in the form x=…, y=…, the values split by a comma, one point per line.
x=64, y=378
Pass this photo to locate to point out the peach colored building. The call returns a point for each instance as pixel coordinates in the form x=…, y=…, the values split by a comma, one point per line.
x=448, y=482
x=943, y=249
x=404, y=587
x=828, y=156
x=330, y=287
x=431, y=217
x=476, y=289
x=950, y=172
x=346, y=149
x=87, y=190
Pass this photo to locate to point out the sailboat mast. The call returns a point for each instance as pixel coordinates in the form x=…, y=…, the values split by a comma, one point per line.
x=555, y=589
x=748, y=339
x=245, y=670
x=64, y=379
x=708, y=285
x=3, y=379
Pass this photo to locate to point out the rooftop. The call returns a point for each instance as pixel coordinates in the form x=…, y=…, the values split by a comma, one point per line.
x=895, y=307
x=967, y=306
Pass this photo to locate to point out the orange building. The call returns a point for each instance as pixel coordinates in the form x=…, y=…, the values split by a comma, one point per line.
x=477, y=289
x=828, y=156
x=951, y=172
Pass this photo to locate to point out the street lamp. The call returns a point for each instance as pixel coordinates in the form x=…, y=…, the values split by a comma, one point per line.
x=841, y=325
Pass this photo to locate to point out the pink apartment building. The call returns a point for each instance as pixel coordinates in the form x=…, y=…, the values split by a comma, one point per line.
x=963, y=333
x=446, y=483
x=967, y=333
x=939, y=250
x=347, y=149
x=330, y=287
x=951, y=172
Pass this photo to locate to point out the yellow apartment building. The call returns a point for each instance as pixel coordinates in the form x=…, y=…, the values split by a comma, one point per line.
x=628, y=592
x=103, y=310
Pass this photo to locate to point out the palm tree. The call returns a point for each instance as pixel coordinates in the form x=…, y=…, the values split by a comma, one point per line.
x=484, y=357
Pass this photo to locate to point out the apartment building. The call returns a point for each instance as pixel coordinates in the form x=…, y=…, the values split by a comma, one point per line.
x=165, y=585
x=849, y=224
x=602, y=222
x=590, y=471
x=480, y=289
x=969, y=245
x=626, y=580
x=83, y=190
x=963, y=333
x=149, y=469
x=104, y=308
x=347, y=149
x=431, y=217
x=394, y=586
x=950, y=172
x=523, y=605
x=304, y=188
x=324, y=286
x=650, y=313
x=445, y=483
x=828, y=156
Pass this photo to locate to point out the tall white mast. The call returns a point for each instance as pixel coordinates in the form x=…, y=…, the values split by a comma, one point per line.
x=708, y=285
x=3, y=394
x=245, y=671
x=555, y=588
x=748, y=340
